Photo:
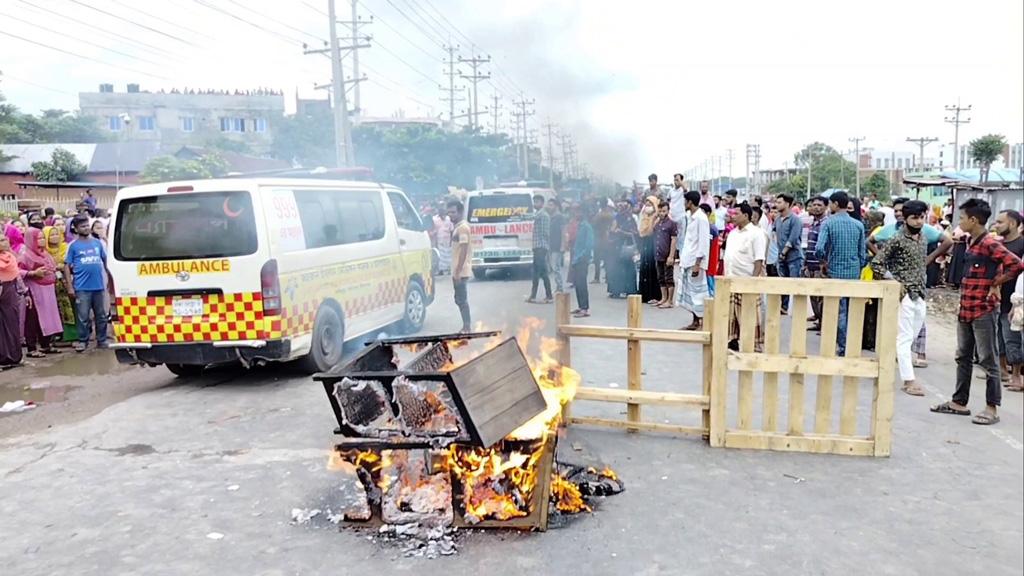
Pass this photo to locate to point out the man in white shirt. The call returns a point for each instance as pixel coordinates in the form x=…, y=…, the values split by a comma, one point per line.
x=677, y=213
x=693, y=260
x=744, y=256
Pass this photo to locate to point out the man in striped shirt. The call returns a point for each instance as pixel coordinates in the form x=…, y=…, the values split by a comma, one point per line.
x=841, y=250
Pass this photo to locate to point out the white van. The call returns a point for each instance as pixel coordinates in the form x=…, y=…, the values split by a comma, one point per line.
x=213, y=271
x=501, y=227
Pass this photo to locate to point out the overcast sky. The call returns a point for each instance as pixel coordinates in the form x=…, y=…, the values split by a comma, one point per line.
x=643, y=86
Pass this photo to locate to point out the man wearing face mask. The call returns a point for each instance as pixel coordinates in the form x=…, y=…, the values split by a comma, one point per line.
x=903, y=258
x=35, y=220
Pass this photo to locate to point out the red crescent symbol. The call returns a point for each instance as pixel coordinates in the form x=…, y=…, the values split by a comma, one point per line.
x=228, y=212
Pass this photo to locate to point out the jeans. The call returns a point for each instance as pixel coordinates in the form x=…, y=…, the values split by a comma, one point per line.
x=86, y=302
x=540, y=271
x=844, y=313
x=978, y=335
x=557, y=263
x=1010, y=344
x=912, y=315
x=462, y=301
x=579, y=280
x=789, y=268
x=817, y=303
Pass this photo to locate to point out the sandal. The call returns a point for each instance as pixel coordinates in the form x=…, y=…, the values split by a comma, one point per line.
x=666, y=306
x=919, y=363
x=948, y=408
x=52, y=351
x=654, y=302
x=35, y=354
x=1013, y=388
x=582, y=314
x=985, y=418
x=913, y=390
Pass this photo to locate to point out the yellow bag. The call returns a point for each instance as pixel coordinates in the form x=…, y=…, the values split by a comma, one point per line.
x=866, y=274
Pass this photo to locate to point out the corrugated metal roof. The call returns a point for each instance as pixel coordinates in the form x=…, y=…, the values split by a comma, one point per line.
x=26, y=154
x=133, y=156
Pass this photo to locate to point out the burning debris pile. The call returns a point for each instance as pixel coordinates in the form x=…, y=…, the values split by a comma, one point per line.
x=461, y=436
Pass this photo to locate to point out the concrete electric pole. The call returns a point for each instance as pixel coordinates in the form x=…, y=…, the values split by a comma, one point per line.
x=495, y=108
x=521, y=114
x=549, y=127
x=956, y=122
x=729, y=156
x=451, y=73
x=475, y=62
x=922, y=142
x=856, y=160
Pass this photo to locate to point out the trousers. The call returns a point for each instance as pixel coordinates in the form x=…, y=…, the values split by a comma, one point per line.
x=579, y=280
x=462, y=301
x=557, y=264
x=86, y=302
x=912, y=316
x=979, y=335
x=540, y=271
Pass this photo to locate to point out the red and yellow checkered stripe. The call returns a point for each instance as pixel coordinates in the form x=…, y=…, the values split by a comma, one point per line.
x=151, y=319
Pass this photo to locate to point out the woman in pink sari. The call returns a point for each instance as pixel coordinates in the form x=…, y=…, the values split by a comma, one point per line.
x=42, y=316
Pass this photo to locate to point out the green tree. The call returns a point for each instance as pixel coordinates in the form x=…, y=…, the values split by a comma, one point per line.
x=63, y=166
x=985, y=151
x=50, y=127
x=877, y=183
x=168, y=168
x=307, y=140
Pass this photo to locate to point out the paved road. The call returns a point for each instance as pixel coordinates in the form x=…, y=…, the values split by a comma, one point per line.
x=133, y=480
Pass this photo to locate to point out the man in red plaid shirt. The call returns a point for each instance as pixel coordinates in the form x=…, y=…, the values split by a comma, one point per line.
x=988, y=265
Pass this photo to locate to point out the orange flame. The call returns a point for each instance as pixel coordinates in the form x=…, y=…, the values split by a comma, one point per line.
x=567, y=496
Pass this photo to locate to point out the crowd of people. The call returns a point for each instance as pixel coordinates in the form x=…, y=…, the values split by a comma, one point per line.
x=668, y=247
x=54, y=285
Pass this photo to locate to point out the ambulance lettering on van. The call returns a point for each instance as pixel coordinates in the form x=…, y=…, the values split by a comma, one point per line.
x=501, y=227
x=198, y=269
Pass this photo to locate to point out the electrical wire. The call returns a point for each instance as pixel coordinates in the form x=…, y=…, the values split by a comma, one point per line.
x=132, y=22
x=159, y=19
x=82, y=40
x=4, y=75
x=416, y=11
x=279, y=35
x=377, y=18
x=423, y=31
x=286, y=25
x=76, y=55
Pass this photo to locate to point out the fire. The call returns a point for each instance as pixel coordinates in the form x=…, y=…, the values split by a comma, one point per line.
x=567, y=496
x=342, y=459
x=606, y=473
x=495, y=486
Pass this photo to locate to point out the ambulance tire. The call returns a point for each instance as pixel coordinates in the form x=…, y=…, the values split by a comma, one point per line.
x=327, y=348
x=415, y=309
x=185, y=370
x=480, y=273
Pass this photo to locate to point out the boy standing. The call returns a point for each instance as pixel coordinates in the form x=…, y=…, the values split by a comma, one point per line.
x=976, y=326
x=665, y=239
x=87, y=260
x=462, y=260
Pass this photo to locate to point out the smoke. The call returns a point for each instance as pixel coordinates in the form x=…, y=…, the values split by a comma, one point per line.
x=539, y=53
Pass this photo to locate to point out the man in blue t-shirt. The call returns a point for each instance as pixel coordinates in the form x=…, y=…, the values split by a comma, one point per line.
x=87, y=260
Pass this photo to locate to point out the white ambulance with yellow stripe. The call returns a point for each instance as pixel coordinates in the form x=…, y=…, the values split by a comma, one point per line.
x=215, y=271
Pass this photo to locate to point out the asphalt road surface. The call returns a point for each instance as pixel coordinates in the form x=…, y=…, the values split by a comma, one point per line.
x=127, y=470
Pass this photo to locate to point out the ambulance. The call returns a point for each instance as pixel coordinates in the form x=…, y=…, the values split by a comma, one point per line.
x=225, y=270
x=501, y=227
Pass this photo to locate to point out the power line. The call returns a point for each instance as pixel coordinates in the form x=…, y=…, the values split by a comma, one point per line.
x=115, y=35
x=313, y=8
x=4, y=75
x=133, y=23
x=159, y=19
x=416, y=24
x=84, y=41
x=286, y=25
x=405, y=37
x=76, y=55
x=415, y=9
x=284, y=37
x=403, y=61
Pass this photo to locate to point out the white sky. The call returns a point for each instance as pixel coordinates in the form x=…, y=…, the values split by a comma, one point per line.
x=644, y=85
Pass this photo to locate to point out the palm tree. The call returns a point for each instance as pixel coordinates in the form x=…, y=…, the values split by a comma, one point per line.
x=985, y=151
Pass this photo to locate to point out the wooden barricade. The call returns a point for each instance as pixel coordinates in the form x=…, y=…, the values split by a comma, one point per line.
x=825, y=437
x=634, y=397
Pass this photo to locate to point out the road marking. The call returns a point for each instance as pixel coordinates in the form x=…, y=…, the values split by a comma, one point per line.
x=1009, y=440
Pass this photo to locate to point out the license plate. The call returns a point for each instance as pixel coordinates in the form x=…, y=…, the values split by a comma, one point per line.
x=188, y=307
x=502, y=242
x=501, y=254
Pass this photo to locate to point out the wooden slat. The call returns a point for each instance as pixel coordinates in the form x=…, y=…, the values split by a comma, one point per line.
x=707, y=361
x=805, y=287
x=642, y=334
x=854, y=334
x=749, y=310
x=564, y=352
x=634, y=359
x=642, y=397
x=885, y=349
x=645, y=426
x=772, y=335
x=823, y=396
x=817, y=444
x=797, y=350
x=720, y=348
x=860, y=367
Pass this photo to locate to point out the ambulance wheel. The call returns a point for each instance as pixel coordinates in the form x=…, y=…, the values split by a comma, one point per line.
x=185, y=370
x=415, y=309
x=328, y=341
x=480, y=273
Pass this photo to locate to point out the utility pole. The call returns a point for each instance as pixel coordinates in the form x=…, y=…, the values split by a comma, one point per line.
x=343, y=152
x=566, y=143
x=753, y=167
x=922, y=142
x=551, y=153
x=494, y=112
x=475, y=62
x=729, y=156
x=521, y=114
x=357, y=108
x=856, y=160
x=451, y=73
x=956, y=122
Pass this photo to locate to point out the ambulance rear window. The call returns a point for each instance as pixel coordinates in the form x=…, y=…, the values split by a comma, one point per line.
x=185, y=226
x=492, y=208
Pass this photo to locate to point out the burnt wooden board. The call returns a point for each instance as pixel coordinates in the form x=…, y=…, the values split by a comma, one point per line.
x=496, y=393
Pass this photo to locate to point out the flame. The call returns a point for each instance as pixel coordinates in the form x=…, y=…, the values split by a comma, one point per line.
x=495, y=485
x=567, y=496
x=606, y=473
x=342, y=459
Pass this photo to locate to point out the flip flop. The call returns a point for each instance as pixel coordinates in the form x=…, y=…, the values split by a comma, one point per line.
x=1012, y=388
x=947, y=408
x=985, y=418
x=581, y=315
x=913, y=390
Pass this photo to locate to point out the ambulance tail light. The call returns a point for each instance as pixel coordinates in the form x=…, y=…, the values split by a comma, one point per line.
x=270, y=285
